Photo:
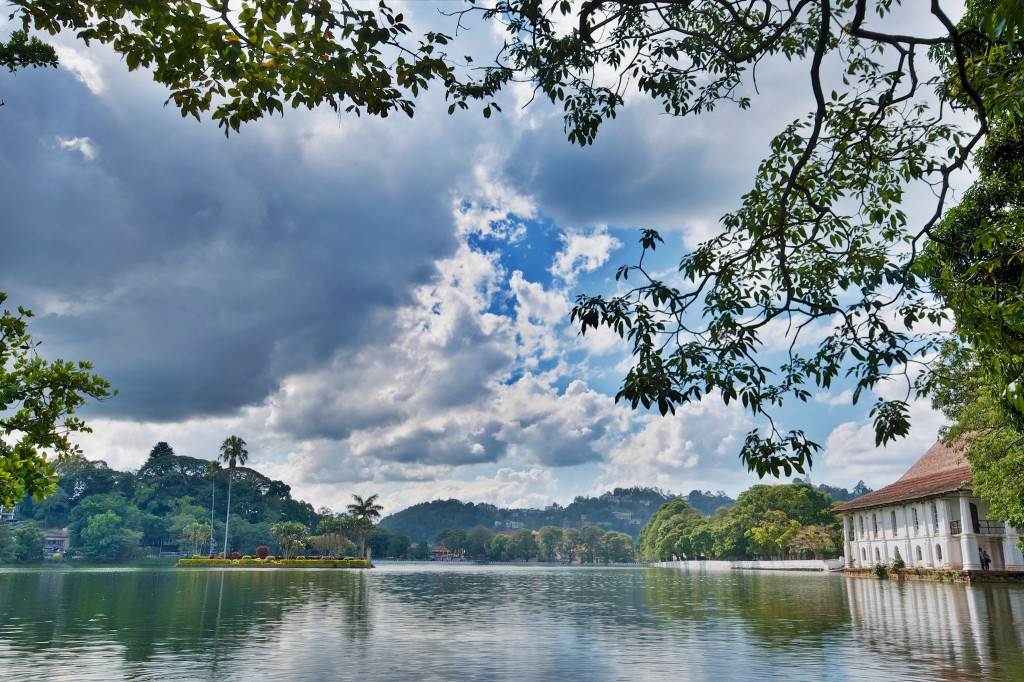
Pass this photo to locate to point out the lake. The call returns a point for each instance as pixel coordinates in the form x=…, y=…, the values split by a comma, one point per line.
x=465, y=622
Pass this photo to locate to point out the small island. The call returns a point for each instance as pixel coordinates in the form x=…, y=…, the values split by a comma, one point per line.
x=273, y=562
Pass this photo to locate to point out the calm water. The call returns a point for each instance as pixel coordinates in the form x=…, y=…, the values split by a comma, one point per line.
x=401, y=622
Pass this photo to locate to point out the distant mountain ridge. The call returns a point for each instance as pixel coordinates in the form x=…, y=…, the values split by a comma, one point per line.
x=625, y=510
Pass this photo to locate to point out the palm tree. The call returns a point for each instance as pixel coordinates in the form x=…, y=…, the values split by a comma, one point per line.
x=213, y=468
x=364, y=513
x=232, y=452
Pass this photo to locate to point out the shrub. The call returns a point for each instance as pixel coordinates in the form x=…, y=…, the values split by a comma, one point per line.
x=897, y=562
x=246, y=556
x=880, y=571
x=262, y=551
x=235, y=555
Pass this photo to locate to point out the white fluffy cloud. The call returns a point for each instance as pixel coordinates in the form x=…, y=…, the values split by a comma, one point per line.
x=85, y=68
x=82, y=145
x=583, y=252
x=693, y=447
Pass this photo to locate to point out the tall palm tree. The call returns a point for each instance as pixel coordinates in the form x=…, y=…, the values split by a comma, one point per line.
x=364, y=513
x=232, y=452
x=213, y=468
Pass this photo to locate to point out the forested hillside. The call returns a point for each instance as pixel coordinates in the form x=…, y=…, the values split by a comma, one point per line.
x=624, y=510
x=112, y=514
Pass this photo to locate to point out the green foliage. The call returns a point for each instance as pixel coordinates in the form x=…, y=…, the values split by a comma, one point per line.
x=38, y=399
x=421, y=551
x=880, y=571
x=477, y=540
x=28, y=543
x=767, y=521
x=521, y=546
x=426, y=520
x=549, y=539
x=245, y=62
x=21, y=51
x=6, y=543
x=232, y=453
x=298, y=562
x=616, y=547
x=364, y=513
x=107, y=537
x=161, y=449
x=977, y=408
x=897, y=561
x=162, y=499
x=291, y=537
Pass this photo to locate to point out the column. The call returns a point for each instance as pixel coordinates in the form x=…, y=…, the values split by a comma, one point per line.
x=849, y=549
x=1011, y=551
x=968, y=540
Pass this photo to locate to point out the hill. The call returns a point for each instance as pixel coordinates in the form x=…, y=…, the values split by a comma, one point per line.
x=625, y=510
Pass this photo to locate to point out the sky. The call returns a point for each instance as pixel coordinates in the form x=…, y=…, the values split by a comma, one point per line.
x=382, y=306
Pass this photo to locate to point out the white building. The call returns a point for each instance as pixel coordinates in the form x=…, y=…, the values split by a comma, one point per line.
x=932, y=517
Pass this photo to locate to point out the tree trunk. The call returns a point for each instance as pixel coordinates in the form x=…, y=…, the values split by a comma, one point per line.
x=227, y=518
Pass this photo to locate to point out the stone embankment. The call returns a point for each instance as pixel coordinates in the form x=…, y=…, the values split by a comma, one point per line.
x=803, y=565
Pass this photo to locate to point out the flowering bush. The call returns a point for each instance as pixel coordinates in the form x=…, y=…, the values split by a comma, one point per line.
x=262, y=552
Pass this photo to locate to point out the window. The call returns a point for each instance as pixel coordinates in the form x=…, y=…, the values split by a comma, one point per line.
x=874, y=525
x=863, y=554
x=938, y=553
x=894, y=529
x=860, y=520
x=878, y=555
x=919, y=555
x=917, y=525
x=935, y=517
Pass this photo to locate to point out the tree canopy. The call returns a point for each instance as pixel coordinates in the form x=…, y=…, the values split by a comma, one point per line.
x=38, y=399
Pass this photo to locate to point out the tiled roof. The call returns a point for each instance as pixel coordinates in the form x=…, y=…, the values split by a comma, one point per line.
x=941, y=470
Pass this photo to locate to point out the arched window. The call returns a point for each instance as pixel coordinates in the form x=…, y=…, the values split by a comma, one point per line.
x=874, y=525
x=920, y=557
x=860, y=521
x=938, y=553
x=878, y=555
x=917, y=524
x=863, y=554
x=894, y=530
x=935, y=517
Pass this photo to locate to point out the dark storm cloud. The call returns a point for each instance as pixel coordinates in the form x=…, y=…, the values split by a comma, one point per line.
x=194, y=271
x=641, y=171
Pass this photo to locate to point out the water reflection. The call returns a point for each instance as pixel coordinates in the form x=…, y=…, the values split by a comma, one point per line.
x=941, y=631
x=466, y=622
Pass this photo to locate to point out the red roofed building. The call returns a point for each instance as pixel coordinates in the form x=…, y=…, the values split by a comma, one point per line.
x=932, y=517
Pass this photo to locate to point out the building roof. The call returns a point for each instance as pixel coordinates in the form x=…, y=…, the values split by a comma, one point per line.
x=943, y=469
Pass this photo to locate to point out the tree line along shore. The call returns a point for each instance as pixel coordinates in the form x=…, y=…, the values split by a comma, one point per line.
x=176, y=505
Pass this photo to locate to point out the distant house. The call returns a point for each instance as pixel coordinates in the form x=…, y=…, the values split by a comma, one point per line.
x=56, y=541
x=7, y=514
x=932, y=517
x=441, y=553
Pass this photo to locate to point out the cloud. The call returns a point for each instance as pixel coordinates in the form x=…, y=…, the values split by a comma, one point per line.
x=584, y=251
x=691, y=448
x=850, y=453
x=84, y=67
x=82, y=145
